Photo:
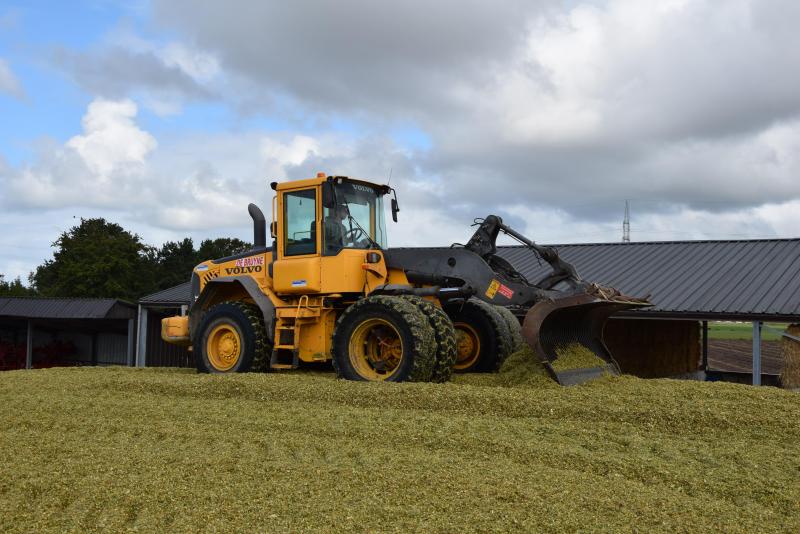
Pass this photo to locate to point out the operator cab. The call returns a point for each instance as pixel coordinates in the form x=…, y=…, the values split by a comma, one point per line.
x=352, y=216
x=327, y=224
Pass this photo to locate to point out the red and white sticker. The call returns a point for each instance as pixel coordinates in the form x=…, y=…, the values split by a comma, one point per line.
x=506, y=291
x=250, y=262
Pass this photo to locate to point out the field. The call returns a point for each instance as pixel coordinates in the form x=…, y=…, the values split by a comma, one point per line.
x=731, y=330
x=116, y=449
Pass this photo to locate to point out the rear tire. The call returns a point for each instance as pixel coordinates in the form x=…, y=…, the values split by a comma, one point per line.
x=483, y=337
x=384, y=338
x=514, y=328
x=445, y=334
x=231, y=338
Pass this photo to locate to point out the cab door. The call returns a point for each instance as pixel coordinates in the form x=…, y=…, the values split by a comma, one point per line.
x=297, y=268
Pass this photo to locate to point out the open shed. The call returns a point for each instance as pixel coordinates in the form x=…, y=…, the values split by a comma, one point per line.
x=44, y=332
x=151, y=350
x=689, y=283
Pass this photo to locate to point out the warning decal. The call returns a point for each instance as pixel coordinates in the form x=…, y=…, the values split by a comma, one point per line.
x=506, y=291
x=493, y=287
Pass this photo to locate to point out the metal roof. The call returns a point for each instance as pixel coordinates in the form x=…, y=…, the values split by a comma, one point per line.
x=742, y=279
x=724, y=279
x=177, y=295
x=65, y=308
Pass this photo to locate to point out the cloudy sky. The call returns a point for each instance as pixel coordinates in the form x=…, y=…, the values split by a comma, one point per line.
x=169, y=116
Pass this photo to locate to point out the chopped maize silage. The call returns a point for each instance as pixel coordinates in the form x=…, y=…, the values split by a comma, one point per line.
x=575, y=356
x=523, y=368
x=117, y=449
x=790, y=348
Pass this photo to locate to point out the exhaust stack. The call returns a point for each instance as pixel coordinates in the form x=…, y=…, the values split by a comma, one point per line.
x=259, y=226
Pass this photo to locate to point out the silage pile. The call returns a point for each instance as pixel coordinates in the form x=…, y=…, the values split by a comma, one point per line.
x=116, y=449
x=523, y=368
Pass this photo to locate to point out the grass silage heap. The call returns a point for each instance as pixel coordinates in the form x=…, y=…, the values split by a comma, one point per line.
x=124, y=449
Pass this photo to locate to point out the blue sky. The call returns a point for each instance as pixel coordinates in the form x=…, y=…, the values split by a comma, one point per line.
x=170, y=116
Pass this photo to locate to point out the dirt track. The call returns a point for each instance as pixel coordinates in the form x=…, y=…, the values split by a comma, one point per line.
x=737, y=355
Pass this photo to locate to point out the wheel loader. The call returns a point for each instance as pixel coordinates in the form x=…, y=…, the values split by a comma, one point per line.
x=329, y=289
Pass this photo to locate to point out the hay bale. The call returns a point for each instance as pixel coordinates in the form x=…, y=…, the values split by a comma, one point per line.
x=654, y=348
x=790, y=348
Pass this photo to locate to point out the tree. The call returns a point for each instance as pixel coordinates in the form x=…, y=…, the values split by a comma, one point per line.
x=15, y=288
x=97, y=259
x=175, y=262
x=220, y=248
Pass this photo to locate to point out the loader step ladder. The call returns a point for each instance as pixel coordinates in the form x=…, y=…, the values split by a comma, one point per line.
x=286, y=351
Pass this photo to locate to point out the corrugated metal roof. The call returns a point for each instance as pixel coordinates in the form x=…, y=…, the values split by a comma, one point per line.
x=714, y=278
x=178, y=295
x=64, y=308
x=733, y=279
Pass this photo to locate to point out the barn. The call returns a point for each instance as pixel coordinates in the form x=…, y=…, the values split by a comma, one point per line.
x=47, y=332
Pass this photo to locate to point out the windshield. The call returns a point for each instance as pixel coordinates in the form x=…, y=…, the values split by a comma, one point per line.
x=357, y=219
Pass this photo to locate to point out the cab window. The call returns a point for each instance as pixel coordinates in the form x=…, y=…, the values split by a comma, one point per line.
x=299, y=215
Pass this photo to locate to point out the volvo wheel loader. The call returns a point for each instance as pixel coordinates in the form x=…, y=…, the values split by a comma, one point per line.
x=329, y=289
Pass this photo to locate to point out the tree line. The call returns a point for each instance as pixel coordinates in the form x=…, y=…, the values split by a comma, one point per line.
x=99, y=259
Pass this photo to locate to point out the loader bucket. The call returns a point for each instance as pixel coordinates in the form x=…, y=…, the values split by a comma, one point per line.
x=553, y=326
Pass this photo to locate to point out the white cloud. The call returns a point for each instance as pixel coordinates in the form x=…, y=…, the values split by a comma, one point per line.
x=112, y=143
x=547, y=113
x=294, y=152
x=8, y=81
x=105, y=166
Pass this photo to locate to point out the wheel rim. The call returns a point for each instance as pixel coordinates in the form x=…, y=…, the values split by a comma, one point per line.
x=468, y=344
x=375, y=349
x=224, y=347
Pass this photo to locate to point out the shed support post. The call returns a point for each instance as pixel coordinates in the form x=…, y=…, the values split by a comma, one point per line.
x=141, y=342
x=756, y=353
x=131, y=342
x=94, y=349
x=705, y=345
x=29, y=347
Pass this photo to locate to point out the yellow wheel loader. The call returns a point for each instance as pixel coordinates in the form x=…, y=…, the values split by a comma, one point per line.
x=329, y=289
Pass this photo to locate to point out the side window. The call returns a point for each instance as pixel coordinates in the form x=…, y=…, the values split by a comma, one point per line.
x=299, y=215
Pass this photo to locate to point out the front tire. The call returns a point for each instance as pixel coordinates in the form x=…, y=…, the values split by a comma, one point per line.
x=231, y=338
x=445, y=334
x=384, y=338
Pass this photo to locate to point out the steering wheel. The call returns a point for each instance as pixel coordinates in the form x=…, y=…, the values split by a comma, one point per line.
x=353, y=234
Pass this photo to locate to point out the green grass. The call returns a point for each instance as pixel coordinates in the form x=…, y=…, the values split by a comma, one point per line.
x=116, y=449
x=724, y=330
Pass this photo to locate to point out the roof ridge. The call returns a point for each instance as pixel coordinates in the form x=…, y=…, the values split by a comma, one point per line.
x=31, y=297
x=672, y=242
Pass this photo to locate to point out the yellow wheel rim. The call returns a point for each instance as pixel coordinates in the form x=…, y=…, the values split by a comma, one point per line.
x=375, y=349
x=224, y=347
x=468, y=344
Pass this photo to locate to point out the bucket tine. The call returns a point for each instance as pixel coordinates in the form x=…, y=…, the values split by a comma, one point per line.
x=578, y=319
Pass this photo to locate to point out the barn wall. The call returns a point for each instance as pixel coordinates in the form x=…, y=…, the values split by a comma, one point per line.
x=652, y=348
x=158, y=352
x=59, y=344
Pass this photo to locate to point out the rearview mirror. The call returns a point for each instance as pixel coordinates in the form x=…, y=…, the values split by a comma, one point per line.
x=395, y=209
